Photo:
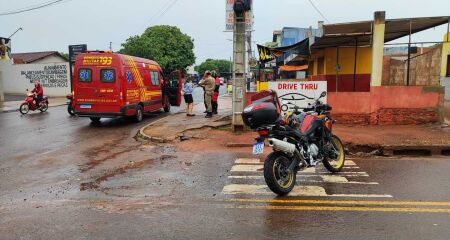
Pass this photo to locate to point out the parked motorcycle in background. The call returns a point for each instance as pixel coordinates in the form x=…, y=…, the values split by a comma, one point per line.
x=70, y=107
x=29, y=104
x=300, y=139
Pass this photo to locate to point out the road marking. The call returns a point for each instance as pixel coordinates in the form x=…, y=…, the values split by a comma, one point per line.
x=333, y=178
x=354, y=209
x=324, y=180
x=341, y=202
x=246, y=168
x=305, y=175
x=310, y=191
x=248, y=161
x=259, y=168
x=349, y=163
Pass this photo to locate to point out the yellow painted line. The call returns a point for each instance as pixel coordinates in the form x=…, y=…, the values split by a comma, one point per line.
x=353, y=209
x=342, y=202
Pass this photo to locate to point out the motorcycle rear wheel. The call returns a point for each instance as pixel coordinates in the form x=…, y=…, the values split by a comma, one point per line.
x=70, y=110
x=24, y=108
x=336, y=164
x=278, y=178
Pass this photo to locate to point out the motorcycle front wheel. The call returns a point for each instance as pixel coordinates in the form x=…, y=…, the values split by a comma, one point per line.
x=24, y=108
x=277, y=175
x=44, y=107
x=335, y=159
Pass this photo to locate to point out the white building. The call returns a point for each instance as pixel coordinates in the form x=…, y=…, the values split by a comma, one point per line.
x=20, y=72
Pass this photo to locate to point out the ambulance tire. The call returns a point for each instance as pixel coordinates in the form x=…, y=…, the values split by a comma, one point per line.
x=167, y=106
x=139, y=114
x=95, y=119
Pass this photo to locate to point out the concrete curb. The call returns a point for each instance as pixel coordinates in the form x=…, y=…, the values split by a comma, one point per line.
x=141, y=134
x=16, y=110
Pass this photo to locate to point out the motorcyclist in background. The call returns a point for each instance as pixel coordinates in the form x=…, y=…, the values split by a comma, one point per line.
x=39, y=92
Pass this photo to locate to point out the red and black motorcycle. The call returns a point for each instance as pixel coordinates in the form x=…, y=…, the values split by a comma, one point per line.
x=300, y=139
x=29, y=104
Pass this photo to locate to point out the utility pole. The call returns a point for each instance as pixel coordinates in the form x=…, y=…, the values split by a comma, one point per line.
x=249, y=55
x=239, y=78
x=110, y=46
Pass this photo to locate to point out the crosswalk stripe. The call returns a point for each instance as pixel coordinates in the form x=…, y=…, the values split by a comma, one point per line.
x=259, y=168
x=348, y=163
x=309, y=191
x=303, y=178
x=248, y=161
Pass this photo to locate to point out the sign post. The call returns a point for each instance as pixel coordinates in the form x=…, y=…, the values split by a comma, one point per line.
x=74, y=50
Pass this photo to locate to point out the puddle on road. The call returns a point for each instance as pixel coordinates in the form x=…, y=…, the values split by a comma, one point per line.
x=118, y=171
x=94, y=162
x=95, y=185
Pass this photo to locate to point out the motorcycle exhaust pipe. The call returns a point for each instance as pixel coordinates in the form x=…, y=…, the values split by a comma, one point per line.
x=282, y=146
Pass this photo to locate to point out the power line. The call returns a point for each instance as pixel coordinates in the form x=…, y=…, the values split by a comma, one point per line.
x=317, y=9
x=162, y=10
x=167, y=9
x=32, y=7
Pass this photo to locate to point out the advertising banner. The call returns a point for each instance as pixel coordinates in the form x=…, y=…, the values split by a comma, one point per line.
x=229, y=17
x=5, y=48
x=299, y=94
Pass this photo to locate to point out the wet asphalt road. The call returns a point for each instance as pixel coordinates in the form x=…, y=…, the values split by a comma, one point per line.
x=62, y=177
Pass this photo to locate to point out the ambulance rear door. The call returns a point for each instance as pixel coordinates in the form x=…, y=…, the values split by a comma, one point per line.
x=174, y=86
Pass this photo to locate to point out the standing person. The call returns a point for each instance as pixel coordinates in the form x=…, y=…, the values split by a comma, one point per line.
x=204, y=92
x=188, y=89
x=209, y=84
x=215, y=97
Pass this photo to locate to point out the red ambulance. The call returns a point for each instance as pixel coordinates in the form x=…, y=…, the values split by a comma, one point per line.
x=110, y=85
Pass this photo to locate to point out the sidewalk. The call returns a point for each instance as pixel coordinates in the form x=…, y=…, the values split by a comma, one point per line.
x=11, y=106
x=359, y=139
x=179, y=125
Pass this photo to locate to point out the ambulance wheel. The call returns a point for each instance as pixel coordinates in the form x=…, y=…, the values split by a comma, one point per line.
x=167, y=106
x=139, y=114
x=95, y=119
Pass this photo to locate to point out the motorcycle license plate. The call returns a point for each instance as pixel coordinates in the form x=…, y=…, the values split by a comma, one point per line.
x=86, y=106
x=258, y=148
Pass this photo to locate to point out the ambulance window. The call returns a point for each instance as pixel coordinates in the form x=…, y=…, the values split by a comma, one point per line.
x=154, y=77
x=85, y=75
x=108, y=75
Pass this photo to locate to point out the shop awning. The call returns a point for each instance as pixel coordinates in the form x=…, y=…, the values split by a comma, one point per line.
x=360, y=33
x=287, y=68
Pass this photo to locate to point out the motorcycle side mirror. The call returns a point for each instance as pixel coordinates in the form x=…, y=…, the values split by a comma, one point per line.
x=323, y=94
x=26, y=89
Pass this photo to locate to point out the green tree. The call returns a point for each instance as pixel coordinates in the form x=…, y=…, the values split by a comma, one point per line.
x=221, y=66
x=64, y=55
x=167, y=45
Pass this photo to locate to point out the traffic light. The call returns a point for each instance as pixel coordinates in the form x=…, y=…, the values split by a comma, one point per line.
x=241, y=6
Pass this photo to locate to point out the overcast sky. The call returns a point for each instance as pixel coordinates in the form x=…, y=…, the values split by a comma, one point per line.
x=97, y=22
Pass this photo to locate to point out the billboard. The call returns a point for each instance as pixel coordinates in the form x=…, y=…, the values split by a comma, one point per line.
x=5, y=48
x=229, y=17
